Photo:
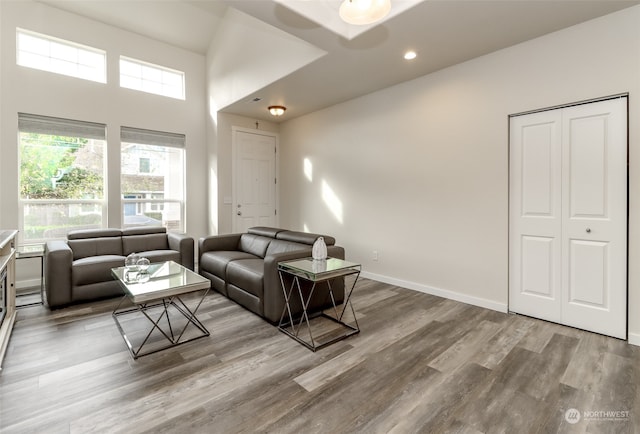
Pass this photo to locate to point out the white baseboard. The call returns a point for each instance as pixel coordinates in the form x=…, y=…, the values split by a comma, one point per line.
x=463, y=298
x=634, y=339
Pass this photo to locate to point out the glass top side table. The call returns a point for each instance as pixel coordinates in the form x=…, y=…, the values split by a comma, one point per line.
x=318, y=273
x=29, y=251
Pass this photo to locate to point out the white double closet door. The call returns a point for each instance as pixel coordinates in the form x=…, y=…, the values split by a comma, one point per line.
x=568, y=216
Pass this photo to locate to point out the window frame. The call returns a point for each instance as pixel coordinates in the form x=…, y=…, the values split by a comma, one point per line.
x=181, y=95
x=137, y=136
x=45, y=125
x=50, y=41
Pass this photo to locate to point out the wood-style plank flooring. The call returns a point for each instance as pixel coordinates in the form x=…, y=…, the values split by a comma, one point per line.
x=420, y=364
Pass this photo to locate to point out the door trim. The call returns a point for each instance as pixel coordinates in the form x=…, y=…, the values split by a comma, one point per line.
x=586, y=101
x=234, y=171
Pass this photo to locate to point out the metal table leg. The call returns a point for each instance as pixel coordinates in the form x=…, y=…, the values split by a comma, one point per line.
x=292, y=327
x=175, y=337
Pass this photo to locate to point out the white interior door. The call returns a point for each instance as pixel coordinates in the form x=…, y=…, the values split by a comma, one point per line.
x=568, y=216
x=595, y=224
x=254, y=182
x=536, y=215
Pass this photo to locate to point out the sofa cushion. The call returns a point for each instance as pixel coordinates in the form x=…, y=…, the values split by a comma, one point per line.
x=217, y=283
x=215, y=262
x=247, y=274
x=87, y=247
x=96, y=291
x=281, y=246
x=94, y=269
x=254, y=244
x=144, y=242
x=242, y=297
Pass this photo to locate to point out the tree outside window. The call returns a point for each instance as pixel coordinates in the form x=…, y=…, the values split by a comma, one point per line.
x=61, y=185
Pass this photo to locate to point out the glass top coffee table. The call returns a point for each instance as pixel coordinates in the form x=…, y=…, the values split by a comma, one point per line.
x=318, y=273
x=155, y=295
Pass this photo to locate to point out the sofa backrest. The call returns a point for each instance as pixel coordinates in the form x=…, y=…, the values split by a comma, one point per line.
x=295, y=236
x=264, y=231
x=254, y=244
x=95, y=242
x=262, y=241
x=304, y=237
x=144, y=239
x=282, y=246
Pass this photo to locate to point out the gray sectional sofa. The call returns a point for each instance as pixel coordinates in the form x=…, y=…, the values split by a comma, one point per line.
x=244, y=268
x=79, y=269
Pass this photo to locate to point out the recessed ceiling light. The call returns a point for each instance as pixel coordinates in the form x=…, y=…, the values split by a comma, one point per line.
x=410, y=55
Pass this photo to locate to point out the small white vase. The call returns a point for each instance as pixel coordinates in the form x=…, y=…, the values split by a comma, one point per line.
x=319, y=251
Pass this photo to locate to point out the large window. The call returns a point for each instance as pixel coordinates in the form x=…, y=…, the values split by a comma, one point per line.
x=152, y=178
x=146, y=77
x=51, y=54
x=62, y=176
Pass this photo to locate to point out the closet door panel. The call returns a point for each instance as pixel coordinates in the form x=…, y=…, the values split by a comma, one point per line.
x=594, y=225
x=535, y=215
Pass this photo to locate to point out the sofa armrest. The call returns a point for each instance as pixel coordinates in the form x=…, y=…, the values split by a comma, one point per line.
x=218, y=242
x=58, y=258
x=183, y=244
x=271, y=278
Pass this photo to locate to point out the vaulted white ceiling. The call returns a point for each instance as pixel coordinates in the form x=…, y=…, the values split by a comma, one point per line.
x=308, y=63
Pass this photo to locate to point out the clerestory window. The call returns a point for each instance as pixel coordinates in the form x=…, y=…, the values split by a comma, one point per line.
x=147, y=77
x=47, y=53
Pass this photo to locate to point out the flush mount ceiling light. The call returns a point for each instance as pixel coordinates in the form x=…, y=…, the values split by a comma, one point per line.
x=361, y=12
x=410, y=55
x=277, y=110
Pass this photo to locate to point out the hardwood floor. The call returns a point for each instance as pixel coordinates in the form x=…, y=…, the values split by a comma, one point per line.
x=420, y=364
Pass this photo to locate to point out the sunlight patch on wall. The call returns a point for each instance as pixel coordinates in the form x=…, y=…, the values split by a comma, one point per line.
x=213, y=199
x=308, y=169
x=213, y=214
x=332, y=201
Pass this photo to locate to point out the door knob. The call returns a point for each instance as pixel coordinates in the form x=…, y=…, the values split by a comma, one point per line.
x=239, y=212
x=588, y=230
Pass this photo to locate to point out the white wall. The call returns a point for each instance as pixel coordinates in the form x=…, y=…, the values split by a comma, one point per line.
x=419, y=171
x=219, y=137
x=44, y=93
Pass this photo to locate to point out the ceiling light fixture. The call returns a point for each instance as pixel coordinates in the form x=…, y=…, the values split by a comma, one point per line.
x=277, y=110
x=362, y=12
x=410, y=55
